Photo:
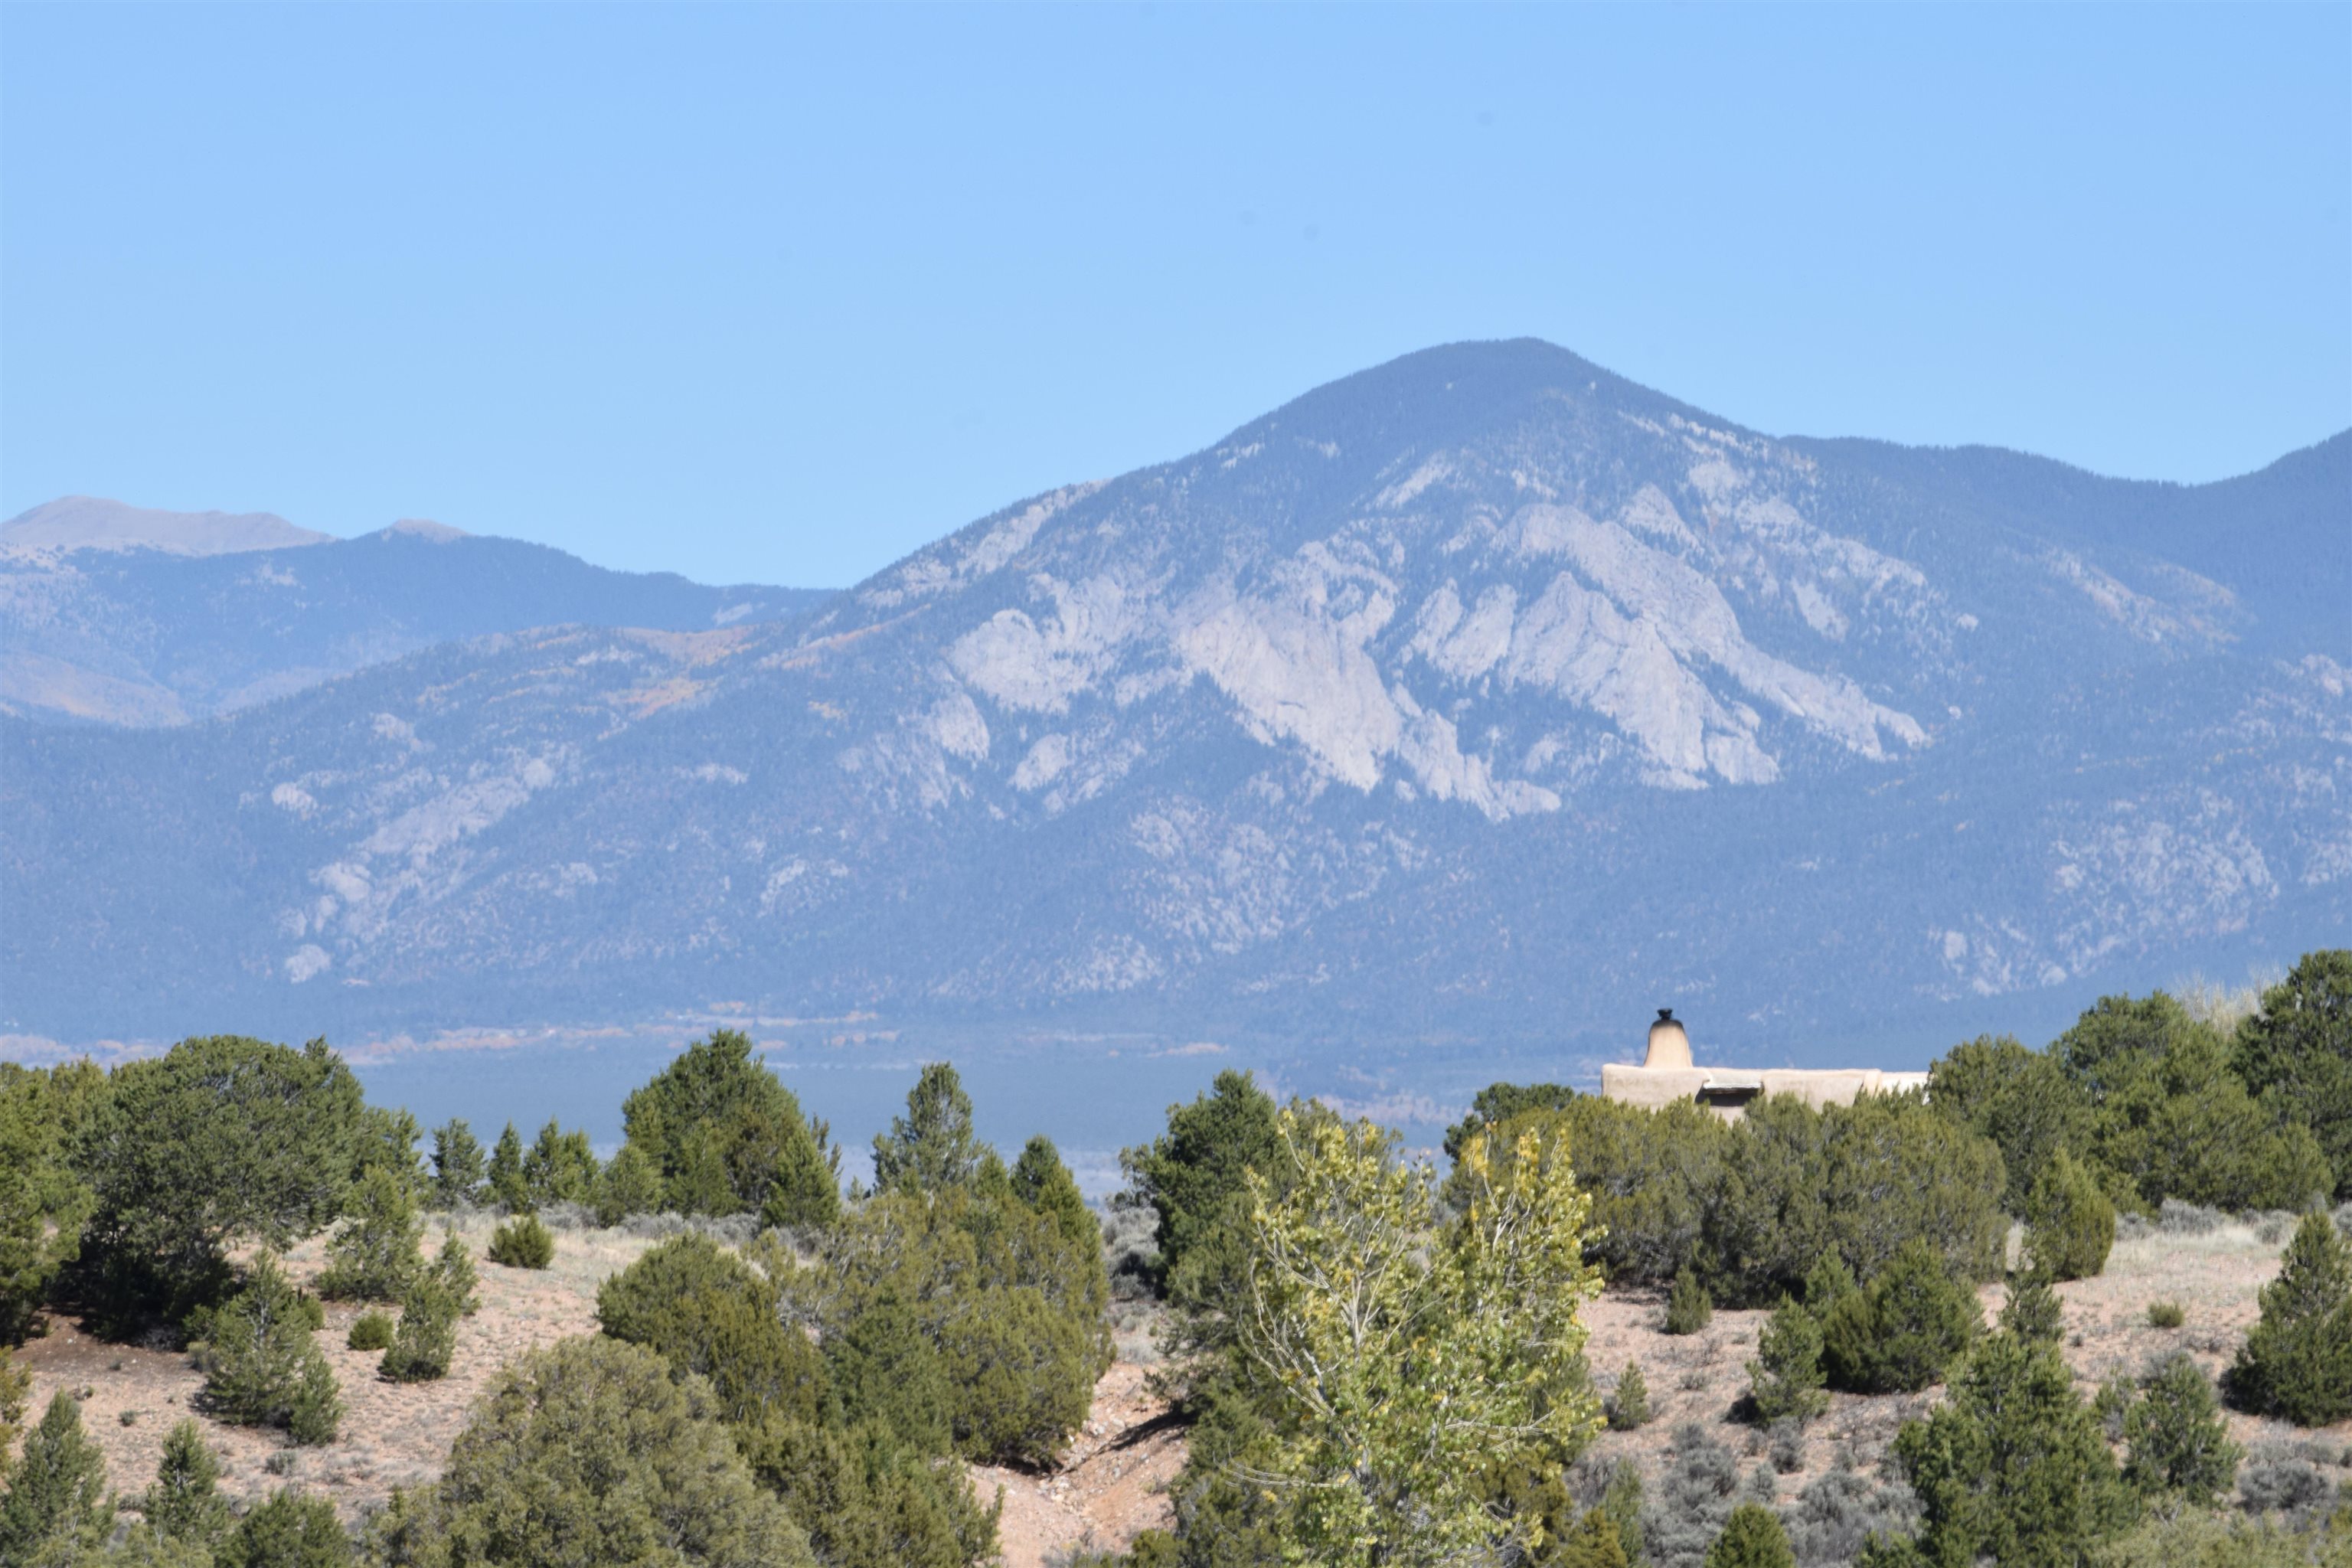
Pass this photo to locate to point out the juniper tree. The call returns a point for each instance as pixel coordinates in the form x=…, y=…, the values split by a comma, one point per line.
x=588, y=1451
x=1040, y=1181
x=559, y=1167
x=262, y=1365
x=1785, y=1380
x=2296, y=1052
x=426, y=1338
x=931, y=1148
x=522, y=1242
x=2022, y=1099
x=458, y=1169
x=1629, y=1407
x=2033, y=1310
x=1689, y=1308
x=725, y=1136
x=508, y=1187
x=290, y=1530
x=630, y=1185
x=16, y=1388
x=2296, y=1361
x=374, y=1254
x=1752, y=1538
x=709, y=1313
x=2012, y=1466
x=2179, y=1443
x=55, y=1499
x=867, y=1502
x=455, y=1266
x=2069, y=1226
x=43, y=1201
x=221, y=1140
x=185, y=1503
x=1899, y=1332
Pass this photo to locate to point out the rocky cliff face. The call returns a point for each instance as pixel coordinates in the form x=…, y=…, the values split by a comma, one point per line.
x=1483, y=695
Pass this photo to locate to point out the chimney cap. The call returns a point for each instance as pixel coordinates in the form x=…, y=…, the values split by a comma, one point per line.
x=1665, y=1015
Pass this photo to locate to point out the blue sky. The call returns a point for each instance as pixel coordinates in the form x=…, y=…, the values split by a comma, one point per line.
x=777, y=294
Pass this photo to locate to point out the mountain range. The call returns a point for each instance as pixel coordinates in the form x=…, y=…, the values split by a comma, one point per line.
x=1477, y=702
x=124, y=614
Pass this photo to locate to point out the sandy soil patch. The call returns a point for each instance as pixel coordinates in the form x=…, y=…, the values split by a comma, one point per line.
x=393, y=1435
x=1109, y=1488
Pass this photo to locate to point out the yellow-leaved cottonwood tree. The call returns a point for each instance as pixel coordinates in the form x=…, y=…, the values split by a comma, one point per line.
x=1416, y=1366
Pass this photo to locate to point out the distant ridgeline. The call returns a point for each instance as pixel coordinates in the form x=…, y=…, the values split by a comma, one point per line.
x=1469, y=703
x=119, y=615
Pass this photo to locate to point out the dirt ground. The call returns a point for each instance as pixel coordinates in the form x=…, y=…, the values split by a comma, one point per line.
x=1110, y=1487
x=395, y=1434
x=1112, y=1484
x=2215, y=1278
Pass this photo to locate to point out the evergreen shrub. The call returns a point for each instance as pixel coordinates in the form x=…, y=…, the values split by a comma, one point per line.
x=1689, y=1309
x=2069, y=1226
x=1785, y=1380
x=1898, y=1333
x=2297, y=1362
x=370, y=1332
x=1629, y=1407
x=2177, y=1442
x=262, y=1365
x=1752, y=1538
x=522, y=1242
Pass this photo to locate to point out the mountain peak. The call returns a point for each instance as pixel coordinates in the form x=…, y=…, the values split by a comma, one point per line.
x=426, y=529
x=93, y=522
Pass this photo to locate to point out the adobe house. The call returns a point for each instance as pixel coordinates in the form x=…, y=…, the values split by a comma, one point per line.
x=1667, y=1074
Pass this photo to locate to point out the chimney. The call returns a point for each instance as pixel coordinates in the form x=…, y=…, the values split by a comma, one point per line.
x=1669, y=1046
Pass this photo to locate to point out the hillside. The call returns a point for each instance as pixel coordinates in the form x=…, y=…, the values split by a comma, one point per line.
x=1477, y=699
x=1114, y=1479
x=111, y=615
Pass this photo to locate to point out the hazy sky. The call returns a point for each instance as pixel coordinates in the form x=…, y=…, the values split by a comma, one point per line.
x=770, y=293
